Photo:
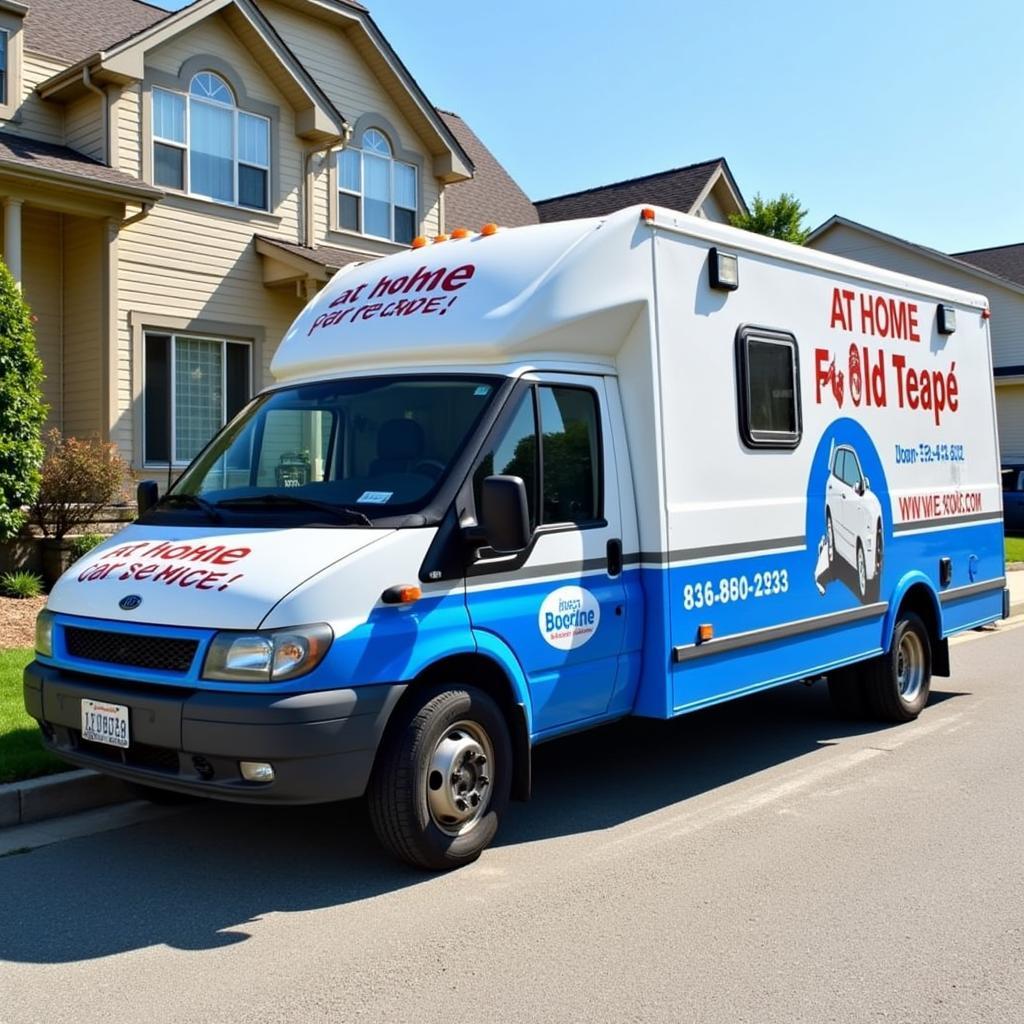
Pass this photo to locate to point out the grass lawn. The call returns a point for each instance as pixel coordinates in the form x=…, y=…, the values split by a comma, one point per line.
x=1015, y=549
x=21, y=754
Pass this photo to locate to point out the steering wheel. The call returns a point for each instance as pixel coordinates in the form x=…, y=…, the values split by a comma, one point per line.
x=429, y=467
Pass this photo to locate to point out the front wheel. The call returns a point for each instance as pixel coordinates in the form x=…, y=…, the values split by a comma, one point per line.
x=897, y=683
x=443, y=778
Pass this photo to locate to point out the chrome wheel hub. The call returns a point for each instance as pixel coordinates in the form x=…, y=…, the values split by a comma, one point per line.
x=458, y=778
x=910, y=666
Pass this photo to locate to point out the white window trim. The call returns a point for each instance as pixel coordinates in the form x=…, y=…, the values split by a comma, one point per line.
x=187, y=145
x=361, y=196
x=172, y=386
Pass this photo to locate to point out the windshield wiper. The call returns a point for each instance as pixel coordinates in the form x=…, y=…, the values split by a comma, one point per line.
x=195, y=501
x=339, y=512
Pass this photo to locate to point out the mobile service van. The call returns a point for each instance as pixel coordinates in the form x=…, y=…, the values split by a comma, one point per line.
x=526, y=482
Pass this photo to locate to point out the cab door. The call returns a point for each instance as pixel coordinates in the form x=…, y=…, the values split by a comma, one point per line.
x=559, y=605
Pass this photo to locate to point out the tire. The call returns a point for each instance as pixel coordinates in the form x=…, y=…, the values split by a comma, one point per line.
x=878, y=552
x=830, y=536
x=846, y=692
x=897, y=683
x=163, y=797
x=862, y=571
x=413, y=794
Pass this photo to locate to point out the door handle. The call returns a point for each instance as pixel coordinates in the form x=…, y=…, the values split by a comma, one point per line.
x=614, y=551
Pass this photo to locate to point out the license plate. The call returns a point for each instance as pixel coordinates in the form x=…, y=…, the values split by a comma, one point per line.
x=105, y=723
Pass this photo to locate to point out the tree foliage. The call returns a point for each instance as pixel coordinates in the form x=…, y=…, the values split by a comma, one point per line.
x=778, y=218
x=22, y=410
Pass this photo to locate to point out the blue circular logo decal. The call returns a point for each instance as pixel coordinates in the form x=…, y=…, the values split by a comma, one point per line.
x=130, y=602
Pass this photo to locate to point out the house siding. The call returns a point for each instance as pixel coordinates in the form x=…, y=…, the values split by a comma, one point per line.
x=1007, y=324
x=1010, y=413
x=35, y=117
x=40, y=254
x=83, y=266
x=348, y=82
x=83, y=127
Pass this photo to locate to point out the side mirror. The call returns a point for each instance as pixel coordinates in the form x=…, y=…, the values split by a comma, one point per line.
x=865, y=484
x=505, y=514
x=146, y=495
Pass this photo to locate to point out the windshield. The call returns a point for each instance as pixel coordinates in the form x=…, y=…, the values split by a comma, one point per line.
x=375, y=444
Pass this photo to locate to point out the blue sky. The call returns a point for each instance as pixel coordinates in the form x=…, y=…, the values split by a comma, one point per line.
x=905, y=116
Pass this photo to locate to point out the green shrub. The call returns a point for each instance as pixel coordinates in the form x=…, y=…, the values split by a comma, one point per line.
x=84, y=544
x=22, y=410
x=78, y=478
x=21, y=584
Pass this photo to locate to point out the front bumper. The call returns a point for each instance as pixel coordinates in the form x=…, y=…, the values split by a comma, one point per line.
x=321, y=744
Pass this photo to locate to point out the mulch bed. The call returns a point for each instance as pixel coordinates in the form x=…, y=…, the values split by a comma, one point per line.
x=18, y=620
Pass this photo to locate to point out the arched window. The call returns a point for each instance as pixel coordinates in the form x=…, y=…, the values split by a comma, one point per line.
x=376, y=193
x=203, y=144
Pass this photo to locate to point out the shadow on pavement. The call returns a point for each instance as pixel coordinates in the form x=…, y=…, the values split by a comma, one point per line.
x=194, y=880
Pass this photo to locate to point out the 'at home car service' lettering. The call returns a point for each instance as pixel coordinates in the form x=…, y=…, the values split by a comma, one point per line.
x=350, y=305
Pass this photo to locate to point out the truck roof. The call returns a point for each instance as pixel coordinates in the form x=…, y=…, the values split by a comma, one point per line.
x=568, y=290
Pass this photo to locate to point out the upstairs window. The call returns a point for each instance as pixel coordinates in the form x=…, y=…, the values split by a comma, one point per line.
x=376, y=193
x=205, y=146
x=4, y=40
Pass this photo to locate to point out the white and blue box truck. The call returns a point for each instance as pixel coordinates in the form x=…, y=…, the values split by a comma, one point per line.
x=526, y=482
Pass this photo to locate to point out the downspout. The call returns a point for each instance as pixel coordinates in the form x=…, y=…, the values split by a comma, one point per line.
x=308, y=227
x=104, y=110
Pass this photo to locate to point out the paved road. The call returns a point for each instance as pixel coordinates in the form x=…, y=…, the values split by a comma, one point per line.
x=756, y=862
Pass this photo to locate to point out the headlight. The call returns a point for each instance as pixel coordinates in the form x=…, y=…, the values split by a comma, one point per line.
x=44, y=634
x=267, y=657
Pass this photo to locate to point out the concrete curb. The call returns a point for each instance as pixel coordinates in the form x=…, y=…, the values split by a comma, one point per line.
x=54, y=796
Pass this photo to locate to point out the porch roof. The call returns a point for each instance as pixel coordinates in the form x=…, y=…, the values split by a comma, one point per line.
x=35, y=160
x=315, y=262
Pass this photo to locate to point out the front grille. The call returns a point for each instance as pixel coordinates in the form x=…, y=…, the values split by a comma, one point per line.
x=162, y=653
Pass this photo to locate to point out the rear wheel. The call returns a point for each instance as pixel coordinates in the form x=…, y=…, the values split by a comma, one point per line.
x=831, y=537
x=897, y=683
x=862, y=570
x=442, y=781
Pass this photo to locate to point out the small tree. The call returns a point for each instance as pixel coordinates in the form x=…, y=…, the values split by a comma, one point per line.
x=22, y=410
x=778, y=218
x=78, y=478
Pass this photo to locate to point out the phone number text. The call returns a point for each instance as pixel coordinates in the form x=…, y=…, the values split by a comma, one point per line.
x=735, y=588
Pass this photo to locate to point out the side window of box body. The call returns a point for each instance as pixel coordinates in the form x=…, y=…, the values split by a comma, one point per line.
x=768, y=388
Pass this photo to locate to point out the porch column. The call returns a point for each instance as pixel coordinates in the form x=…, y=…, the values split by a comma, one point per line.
x=12, y=238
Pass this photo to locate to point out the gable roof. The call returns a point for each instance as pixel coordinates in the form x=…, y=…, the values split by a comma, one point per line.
x=491, y=194
x=940, y=257
x=1004, y=260
x=72, y=29
x=678, y=189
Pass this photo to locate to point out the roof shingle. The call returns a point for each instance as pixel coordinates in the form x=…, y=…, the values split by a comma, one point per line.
x=491, y=194
x=677, y=189
x=1004, y=260
x=329, y=256
x=73, y=29
x=43, y=157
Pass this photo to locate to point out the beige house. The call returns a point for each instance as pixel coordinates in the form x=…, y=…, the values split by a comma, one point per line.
x=176, y=186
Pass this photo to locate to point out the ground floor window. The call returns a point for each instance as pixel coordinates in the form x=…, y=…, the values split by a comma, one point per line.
x=192, y=386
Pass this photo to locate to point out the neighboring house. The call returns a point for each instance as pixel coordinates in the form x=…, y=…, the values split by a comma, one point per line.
x=706, y=189
x=983, y=271
x=176, y=186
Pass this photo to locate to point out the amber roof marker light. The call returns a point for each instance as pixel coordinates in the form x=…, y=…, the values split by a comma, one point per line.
x=461, y=233
x=489, y=229
x=647, y=214
x=420, y=241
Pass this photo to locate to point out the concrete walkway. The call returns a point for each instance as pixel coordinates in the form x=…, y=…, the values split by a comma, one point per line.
x=1015, y=581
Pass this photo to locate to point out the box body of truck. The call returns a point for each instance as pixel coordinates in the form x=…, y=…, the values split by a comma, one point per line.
x=517, y=485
